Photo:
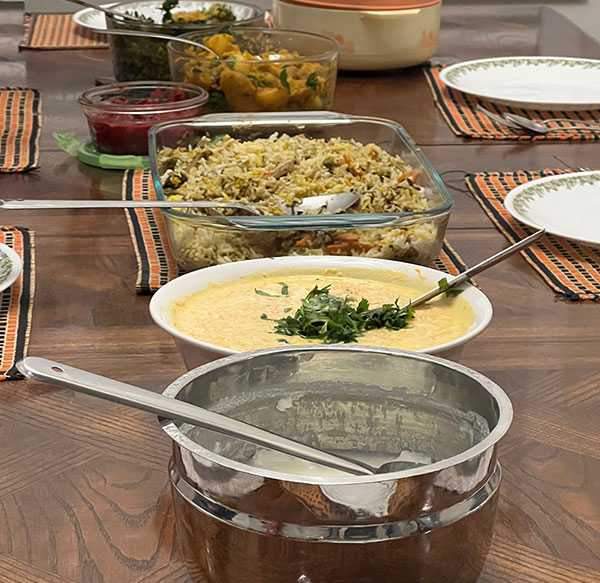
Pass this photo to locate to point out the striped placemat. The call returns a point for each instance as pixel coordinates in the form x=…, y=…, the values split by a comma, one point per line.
x=460, y=112
x=20, y=125
x=16, y=304
x=570, y=269
x=156, y=265
x=58, y=31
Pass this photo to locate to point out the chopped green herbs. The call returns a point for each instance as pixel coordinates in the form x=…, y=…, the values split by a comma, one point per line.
x=217, y=101
x=283, y=77
x=285, y=291
x=260, y=292
x=312, y=81
x=445, y=286
x=331, y=319
x=260, y=81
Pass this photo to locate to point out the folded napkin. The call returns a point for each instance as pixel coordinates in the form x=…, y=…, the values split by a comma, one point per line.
x=460, y=112
x=20, y=124
x=570, y=269
x=16, y=304
x=156, y=265
x=58, y=31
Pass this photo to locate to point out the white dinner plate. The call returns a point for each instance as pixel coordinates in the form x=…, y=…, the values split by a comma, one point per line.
x=91, y=18
x=546, y=83
x=10, y=266
x=567, y=205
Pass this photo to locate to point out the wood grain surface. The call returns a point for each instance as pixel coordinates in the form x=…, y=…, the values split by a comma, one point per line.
x=83, y=483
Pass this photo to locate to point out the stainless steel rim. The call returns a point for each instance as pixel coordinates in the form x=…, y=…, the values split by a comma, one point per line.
x=504, y=420
x=361, y=533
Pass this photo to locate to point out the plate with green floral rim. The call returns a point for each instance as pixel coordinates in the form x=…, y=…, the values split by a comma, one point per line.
x=10, y=266
x=91, y=18
x=546, y=83
x=567, y=205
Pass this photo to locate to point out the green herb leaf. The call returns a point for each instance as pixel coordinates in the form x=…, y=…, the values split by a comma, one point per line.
x=230, y=62
x=264, y=317
x=287, y=310
x=216, y=139
x=312, y=81
x=217, y=101
x=283, y=77
x=450, y=292
x=285, y=290
x=282, y=340
x=263, y=293
x=333, y=319
x=260, y=81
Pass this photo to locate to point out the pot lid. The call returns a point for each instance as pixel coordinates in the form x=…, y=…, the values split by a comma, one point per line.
x=366, y=4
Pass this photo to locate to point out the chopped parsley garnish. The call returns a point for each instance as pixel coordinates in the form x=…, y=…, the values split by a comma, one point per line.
x=260, y=81
x=332, y=319
x=283, y=78
x=217, y=101
x=285, y=290
x=312, y=81
x=260, y=292
x=445, y=286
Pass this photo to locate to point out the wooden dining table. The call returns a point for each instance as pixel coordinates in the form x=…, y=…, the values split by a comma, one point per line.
x=84, y=494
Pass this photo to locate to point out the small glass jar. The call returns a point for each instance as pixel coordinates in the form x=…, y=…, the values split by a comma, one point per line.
x=120, y=115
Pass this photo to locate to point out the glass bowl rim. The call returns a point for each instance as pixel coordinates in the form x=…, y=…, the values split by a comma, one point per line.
x=299, y=222
x=334, y=50
x=86, y=98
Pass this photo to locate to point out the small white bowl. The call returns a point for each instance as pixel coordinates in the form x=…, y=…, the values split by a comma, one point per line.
x=196, y=352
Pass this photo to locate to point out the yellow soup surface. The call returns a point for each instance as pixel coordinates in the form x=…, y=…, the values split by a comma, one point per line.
x=229, y=314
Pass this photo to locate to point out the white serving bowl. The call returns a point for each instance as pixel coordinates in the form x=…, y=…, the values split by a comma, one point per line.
x=370, y=39
x=196, y=352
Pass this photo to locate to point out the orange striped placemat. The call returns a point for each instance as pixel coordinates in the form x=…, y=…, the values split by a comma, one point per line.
x=58, y=31
x=460, y=112
x=570, y=269
x=156, y=265
x=20, y=125
x=16, y=304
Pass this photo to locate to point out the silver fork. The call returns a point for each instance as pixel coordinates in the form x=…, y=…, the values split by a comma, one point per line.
x=540, y=126
x=498, y=119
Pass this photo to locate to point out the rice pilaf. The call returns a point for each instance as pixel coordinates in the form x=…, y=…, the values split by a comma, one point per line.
x=276, y=173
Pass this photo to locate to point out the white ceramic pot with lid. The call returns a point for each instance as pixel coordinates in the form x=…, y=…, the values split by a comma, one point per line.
x=373, y=34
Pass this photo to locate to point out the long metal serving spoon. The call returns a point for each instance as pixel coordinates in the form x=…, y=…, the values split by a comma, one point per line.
x=124, y=32
x=333, y=203
x=41, y=369
x=482, y=266
x=105, y=10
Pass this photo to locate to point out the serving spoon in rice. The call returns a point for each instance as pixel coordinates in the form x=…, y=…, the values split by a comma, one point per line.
x=332, y=203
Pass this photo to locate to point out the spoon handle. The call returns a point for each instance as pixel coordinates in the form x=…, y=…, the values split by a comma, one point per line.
x=121, y=32
x=82, y=381
x=24, y=204
x=482, y=266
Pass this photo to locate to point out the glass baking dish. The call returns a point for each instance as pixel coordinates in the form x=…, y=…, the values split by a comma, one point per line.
x=200, y=240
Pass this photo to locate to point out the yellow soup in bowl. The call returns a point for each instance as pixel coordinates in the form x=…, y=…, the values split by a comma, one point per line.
x=243, y=314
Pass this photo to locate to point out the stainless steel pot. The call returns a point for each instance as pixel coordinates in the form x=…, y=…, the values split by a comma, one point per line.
x=238, y=523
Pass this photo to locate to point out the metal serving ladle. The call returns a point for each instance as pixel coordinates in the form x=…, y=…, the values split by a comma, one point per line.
x=481, y=266
x=333, y=203
x=41, y=369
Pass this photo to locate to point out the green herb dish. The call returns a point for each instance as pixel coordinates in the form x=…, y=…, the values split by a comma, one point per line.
x=139, y=58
